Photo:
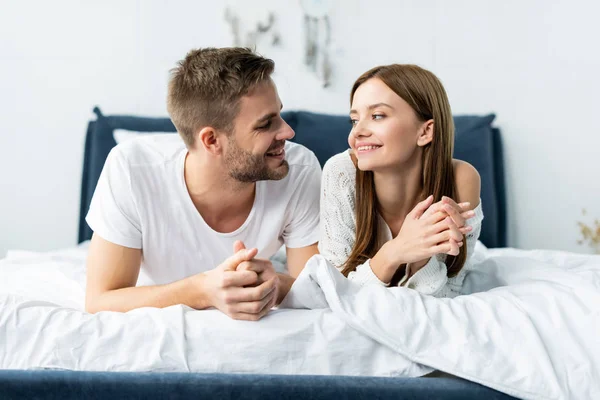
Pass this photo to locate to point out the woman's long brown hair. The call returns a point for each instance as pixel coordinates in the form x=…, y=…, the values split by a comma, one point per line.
x=423, y=91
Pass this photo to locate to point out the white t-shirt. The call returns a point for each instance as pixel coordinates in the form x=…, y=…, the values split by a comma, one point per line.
x=141, y=201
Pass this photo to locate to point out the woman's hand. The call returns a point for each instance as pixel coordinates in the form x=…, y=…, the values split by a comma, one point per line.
x=459, y=213
x=429, y=230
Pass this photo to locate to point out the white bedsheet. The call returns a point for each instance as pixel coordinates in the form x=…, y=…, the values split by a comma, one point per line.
x=536, y=335
x=42, y=325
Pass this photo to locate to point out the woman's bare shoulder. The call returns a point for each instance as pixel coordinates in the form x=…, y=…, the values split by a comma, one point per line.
x=468, y=182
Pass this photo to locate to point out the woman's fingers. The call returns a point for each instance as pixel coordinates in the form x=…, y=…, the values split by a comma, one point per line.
x=433, y=219
x=455, y=215
x=462, y=207
x=465, y=229
x=454, y=248
x=455, y=233
x=421, y=207
x=432, y=209
x=448, y=224
x=452, y=232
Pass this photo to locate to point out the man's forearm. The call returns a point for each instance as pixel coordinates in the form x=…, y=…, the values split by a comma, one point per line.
x=286, y=282
x=187, y=291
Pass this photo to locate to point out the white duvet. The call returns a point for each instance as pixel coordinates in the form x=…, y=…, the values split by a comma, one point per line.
x=531, y=328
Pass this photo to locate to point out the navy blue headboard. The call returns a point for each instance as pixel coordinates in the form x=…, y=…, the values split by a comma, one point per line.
x=477, y=142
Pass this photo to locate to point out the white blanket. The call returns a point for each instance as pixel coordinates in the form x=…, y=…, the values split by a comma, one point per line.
x=536, y=335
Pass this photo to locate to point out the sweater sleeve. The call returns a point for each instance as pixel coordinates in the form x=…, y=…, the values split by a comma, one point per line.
x=432, y=278
x=338, y=222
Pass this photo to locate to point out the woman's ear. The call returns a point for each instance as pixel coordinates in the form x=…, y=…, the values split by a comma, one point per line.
x=208, y=139
x=426, y=133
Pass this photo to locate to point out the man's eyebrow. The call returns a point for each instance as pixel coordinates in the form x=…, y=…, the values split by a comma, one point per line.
x=268, y=116
x=372, y=106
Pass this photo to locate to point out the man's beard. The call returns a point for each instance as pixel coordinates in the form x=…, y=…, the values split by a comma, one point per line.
x=245, y=166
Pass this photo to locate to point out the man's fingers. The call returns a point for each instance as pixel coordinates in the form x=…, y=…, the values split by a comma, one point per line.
x=264, y=289
x=244, y=266
x=421, y=207
x=239, y=279
x=249, y=294
x=238, y=245
x=254, y=307
x=247, y=316
x=250, y=316
x=232, y=262
x=256, y=265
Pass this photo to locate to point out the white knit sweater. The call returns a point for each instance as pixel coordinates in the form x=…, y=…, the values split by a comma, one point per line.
x=338, y=233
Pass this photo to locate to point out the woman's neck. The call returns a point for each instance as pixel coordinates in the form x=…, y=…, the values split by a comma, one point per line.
x=398, y=192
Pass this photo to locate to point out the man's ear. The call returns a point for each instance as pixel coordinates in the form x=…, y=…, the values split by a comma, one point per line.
x=209, y=140
x=426, y=133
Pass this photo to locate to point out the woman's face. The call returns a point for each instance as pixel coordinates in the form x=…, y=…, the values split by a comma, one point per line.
x=386, y=131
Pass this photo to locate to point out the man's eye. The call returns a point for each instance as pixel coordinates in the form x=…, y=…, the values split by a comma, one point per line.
x=266, y=126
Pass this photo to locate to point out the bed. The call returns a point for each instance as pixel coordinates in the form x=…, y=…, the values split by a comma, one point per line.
x=75, y=377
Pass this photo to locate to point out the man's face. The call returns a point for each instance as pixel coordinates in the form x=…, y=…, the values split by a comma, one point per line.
x=254, y=151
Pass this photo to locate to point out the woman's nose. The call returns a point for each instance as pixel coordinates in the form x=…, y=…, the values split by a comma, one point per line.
x=360, y=130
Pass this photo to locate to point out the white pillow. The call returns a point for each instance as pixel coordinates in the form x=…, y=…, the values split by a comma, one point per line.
x=123, y=135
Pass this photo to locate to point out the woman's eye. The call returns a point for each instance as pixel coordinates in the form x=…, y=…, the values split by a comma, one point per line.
x=378, y=116
x=353, y=121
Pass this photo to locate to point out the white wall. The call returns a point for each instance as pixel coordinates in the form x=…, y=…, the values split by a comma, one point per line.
x=533, y=63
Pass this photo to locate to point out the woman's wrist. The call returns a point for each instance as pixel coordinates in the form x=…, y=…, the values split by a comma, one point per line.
x=385, y=263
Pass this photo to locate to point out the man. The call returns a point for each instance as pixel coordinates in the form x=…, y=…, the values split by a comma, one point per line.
x=193, y=218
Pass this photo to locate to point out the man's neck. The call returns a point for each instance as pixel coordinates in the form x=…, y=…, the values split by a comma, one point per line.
x=223, y=202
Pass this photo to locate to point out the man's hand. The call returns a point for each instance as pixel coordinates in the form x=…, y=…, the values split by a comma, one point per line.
x=242, y=293
x=264, y=270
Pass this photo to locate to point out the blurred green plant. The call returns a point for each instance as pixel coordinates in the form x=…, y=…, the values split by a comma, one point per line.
x=590, y=234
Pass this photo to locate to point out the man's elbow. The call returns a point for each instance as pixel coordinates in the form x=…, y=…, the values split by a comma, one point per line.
x=93, y=304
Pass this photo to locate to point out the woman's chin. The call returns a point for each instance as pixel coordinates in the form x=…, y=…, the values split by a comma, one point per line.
x=366, y=165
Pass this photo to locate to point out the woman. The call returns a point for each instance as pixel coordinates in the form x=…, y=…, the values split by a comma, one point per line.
x=388, y=214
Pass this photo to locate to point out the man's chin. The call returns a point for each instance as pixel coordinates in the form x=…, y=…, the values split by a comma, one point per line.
x=265, y=174
x=280, y=172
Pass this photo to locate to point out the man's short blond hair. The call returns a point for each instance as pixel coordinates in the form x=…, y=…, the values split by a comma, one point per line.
x=206, y=87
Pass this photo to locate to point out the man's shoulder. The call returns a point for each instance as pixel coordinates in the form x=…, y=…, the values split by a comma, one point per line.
x=149, y=150
x=299, y=156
